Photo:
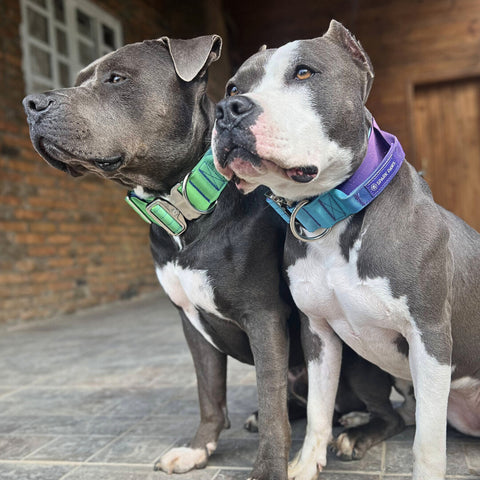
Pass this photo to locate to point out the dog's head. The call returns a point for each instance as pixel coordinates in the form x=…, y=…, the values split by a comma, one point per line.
x=294, y=118
x=134, y=115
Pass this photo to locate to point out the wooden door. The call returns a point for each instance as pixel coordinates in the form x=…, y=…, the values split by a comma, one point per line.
x=447, y=144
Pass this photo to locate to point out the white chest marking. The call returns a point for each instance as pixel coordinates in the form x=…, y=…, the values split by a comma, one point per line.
x=363, y=312
x=189, y=289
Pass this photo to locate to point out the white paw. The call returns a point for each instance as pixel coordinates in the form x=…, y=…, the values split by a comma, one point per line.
x=354, y=419
x=308, y=462
x=251, y=423
x=343, y=445
x=182, y=459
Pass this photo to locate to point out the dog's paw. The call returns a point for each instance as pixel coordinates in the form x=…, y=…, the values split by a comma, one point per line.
x=306, y=466
x=251, y=423
x=348, y=446
x=354, y=419
x=182, y=459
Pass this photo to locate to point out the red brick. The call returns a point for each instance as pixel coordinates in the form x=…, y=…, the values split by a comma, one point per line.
x=29, y=238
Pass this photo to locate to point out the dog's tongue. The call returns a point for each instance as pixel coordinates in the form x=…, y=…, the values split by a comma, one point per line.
x=302, y=174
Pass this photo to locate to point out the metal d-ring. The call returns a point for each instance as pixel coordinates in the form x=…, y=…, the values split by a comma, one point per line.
x=184, y=194
x=294, y=230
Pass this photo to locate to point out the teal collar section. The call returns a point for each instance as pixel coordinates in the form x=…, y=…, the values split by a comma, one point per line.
x=195, y=196
x=383, y=160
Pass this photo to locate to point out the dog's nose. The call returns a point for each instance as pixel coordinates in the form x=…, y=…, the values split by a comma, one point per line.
x=231, y=110
x=37, y=104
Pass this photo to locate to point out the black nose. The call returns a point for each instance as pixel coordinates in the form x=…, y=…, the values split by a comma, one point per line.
x=232, y=109
x=37, y=104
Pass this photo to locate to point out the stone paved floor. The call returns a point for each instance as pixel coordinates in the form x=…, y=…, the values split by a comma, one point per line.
x=101, y=395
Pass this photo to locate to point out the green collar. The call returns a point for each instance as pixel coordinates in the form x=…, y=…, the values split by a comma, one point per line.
x=190, y=199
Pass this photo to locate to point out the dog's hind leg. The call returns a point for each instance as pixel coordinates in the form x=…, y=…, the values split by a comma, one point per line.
x=211, y=370
x=372, y=386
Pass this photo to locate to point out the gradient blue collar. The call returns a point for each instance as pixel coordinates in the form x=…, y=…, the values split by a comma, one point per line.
x=380, y=165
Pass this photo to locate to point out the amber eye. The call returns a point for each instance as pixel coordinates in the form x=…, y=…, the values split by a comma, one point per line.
x=232, y=90
x=302, y=73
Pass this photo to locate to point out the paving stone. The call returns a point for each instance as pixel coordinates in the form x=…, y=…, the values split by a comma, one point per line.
x=12, y=471
x=473, y=458
x=130, y=473
x=74, y=448
x=10, y=424
x=226, y=474
x=79, y=425
x=133, y=449
x=15, y=447
x=40, y=401
x=100, y=388
x=171, y=426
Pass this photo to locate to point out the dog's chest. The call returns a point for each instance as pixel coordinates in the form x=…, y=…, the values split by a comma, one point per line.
x=189, y=289
x=363, y=312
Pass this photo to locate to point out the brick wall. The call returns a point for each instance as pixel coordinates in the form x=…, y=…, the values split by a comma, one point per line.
x=65, y=243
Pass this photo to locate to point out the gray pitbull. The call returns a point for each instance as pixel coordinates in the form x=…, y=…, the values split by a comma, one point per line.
x=371, y=258
x=140, y=116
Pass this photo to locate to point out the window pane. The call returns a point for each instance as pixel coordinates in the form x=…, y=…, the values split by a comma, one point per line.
x=87, y=53
x=40, y=61
x=84, y=24
x=59, y=10
x=64, y=74
x=40, y=3
x=108, y=37
x=62, y=46
x=37, y=25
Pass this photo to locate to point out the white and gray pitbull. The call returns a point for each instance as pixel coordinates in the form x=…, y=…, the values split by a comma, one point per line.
x=392, y=274
x=140, y=116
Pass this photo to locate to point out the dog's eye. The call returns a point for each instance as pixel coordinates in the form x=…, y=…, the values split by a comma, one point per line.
x=302, y=73
x=115, y=78
x=232, y=90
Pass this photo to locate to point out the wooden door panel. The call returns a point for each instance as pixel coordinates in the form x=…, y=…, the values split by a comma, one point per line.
x=447, y=144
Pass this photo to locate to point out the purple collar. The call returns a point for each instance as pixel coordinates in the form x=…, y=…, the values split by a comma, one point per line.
x=381, y=163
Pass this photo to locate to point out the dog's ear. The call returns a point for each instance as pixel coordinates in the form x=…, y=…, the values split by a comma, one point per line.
x=262, y=48
x=339, y=35
x=192, y=57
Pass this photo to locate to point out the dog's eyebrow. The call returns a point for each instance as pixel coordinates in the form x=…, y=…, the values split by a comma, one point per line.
x=84, y=74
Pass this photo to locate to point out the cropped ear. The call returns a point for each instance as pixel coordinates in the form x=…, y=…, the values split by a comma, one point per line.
x=192, y=57
x=342, y=37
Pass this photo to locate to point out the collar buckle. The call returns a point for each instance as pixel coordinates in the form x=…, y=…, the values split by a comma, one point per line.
x=281, y=202
x=168, y=216
x=293, y=225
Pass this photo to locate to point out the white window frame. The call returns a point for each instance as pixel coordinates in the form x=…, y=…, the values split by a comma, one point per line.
x=73, y=36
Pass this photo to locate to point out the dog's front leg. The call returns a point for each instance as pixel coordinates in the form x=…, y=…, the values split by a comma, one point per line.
x=210, y=368
x=323, y=355
x=269, y=343
x=431, y=380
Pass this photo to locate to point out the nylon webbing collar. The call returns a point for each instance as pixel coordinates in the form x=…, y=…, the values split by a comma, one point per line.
x=382, y=161
x=190, y=199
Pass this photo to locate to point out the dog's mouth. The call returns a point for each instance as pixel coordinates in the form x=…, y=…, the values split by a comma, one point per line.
x=242, y=163
x=72, y=164
x=302, y=174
